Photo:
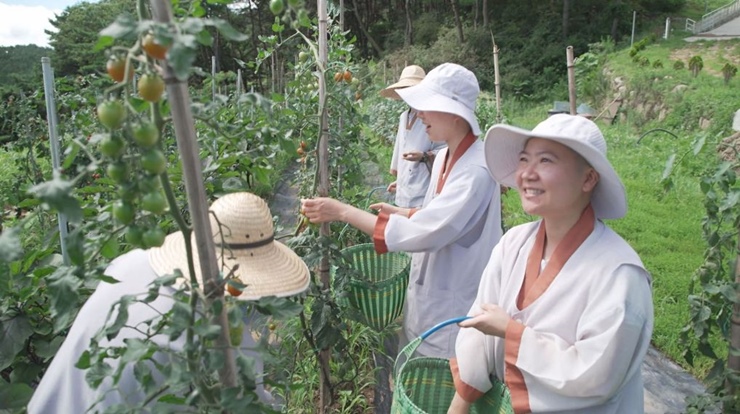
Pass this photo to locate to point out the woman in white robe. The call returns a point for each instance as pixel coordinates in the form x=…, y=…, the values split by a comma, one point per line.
x=564, y=311
x=413, y=151
x=459, y=222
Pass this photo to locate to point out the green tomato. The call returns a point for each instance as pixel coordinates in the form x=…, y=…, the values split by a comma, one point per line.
x=128, y=192
x=303, y=56
x=134, y=236
x=146, y=134
x=111, y=114
x=154, y=162
x=112, y=146
x=154, y=202
x=123, y=212
x=277, y=7
x=153, y=237
x=118, y=172
x=148, y=184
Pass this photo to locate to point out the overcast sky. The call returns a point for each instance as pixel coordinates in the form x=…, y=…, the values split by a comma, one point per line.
x=23, y=22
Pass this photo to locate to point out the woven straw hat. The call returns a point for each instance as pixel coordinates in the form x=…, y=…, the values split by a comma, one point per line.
x=245, y=238
x=503, y=144
x=410, y=76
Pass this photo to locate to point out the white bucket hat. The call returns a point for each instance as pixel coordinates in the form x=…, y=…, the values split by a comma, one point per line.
x=448, y=88
x=503, y=143
x=245, y=238
x=410, y=76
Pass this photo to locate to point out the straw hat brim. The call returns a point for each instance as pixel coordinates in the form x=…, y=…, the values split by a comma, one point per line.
x=390, y=91
x=269, y=270
x=503, y=143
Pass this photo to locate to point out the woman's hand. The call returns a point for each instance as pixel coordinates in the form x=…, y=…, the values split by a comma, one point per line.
x=390, y=209
x=323, y=209
x=458, y=405
x=413, y=156
x=491, y=321
x=391, y=187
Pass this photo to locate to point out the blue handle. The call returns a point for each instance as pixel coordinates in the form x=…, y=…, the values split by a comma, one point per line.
x=441, y=325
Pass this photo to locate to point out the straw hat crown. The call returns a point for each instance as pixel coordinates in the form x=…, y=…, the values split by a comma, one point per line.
x=243, y=235
x=410, y=76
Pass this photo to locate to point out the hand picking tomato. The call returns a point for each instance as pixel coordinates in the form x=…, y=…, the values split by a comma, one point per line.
x=150, y=87
x=111, y=114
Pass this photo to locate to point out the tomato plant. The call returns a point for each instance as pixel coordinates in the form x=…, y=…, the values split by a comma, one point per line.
x=154, y=202
x=118, y=172
x=134, y=235
x=152, y=48
x=123, y=212
x=277, y=7
x=116, y=68
x=153, y=237
x=111, y=114
x=112, y=146
x=150, y=87
x=146, y=134
x=154, y=162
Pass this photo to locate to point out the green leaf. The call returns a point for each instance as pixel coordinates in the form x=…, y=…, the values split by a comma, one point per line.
x=123, y=27
x=182, y=55
x=64, y=287
x=84, y=361
x=111, y=331
x=10, y=245
x=280, y=308
x=669, y=166
x=71, y=154
x=15, y=332
x=699, y=144
x=46, y=349
x=228, y=30
x=136, y=350
x=14, y=396
x=57, y=194
x=111, y=248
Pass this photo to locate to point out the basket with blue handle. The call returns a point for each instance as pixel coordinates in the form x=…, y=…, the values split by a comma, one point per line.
x=424, y=385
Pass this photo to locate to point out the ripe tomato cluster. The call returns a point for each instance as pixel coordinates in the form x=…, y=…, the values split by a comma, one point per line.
x=130, y=144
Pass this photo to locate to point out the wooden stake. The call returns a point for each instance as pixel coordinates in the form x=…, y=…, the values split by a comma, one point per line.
x=571, y=80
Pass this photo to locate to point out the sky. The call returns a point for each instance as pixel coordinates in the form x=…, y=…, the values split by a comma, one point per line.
x=23, y=22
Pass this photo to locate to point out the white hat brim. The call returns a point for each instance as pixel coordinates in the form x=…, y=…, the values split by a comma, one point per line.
x=423, y=98
x=270, y=270
x=503, y=143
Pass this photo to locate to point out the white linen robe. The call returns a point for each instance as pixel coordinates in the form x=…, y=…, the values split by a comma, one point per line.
x=63, y=388
x=413, y=177
x=581, y=343
x=450, y=237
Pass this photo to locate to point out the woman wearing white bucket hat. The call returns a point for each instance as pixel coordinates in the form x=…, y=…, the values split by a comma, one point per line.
x=413, y=151
x=564, y=311
x=266, y=267
x=459, y=222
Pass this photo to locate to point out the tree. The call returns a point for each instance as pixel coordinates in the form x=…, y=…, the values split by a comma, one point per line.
x=77, y=33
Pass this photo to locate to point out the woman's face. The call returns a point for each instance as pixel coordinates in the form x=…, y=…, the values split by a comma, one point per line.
x=439, y=125
x=553, y=180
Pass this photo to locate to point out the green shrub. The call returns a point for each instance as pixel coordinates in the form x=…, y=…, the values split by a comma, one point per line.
x=679, y=65
x=695, y=65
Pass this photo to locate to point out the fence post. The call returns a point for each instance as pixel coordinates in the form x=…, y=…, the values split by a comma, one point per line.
x=667, y=27
x=51, y=120
x=634, y=17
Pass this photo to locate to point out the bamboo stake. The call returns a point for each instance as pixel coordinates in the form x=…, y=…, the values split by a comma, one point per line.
x=179, y=99
x=571, y=80
x=325, y=396
x=496, y=81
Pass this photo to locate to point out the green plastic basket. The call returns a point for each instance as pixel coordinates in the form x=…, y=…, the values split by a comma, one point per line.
x=378, y=289
x=424, y=385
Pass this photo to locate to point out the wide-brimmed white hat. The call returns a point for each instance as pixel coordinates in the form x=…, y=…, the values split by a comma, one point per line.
x=448, y=88
x=503, y=143
x=245, y=237
x=410, y=76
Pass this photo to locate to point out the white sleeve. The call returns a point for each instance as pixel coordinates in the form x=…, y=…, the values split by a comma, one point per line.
x=610, y=339
x=474, y=350
x=447, y=217
x=397, y=144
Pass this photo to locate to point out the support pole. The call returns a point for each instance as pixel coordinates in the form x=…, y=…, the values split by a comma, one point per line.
x=571, y=80
x=51, y=119
x=634, y=17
